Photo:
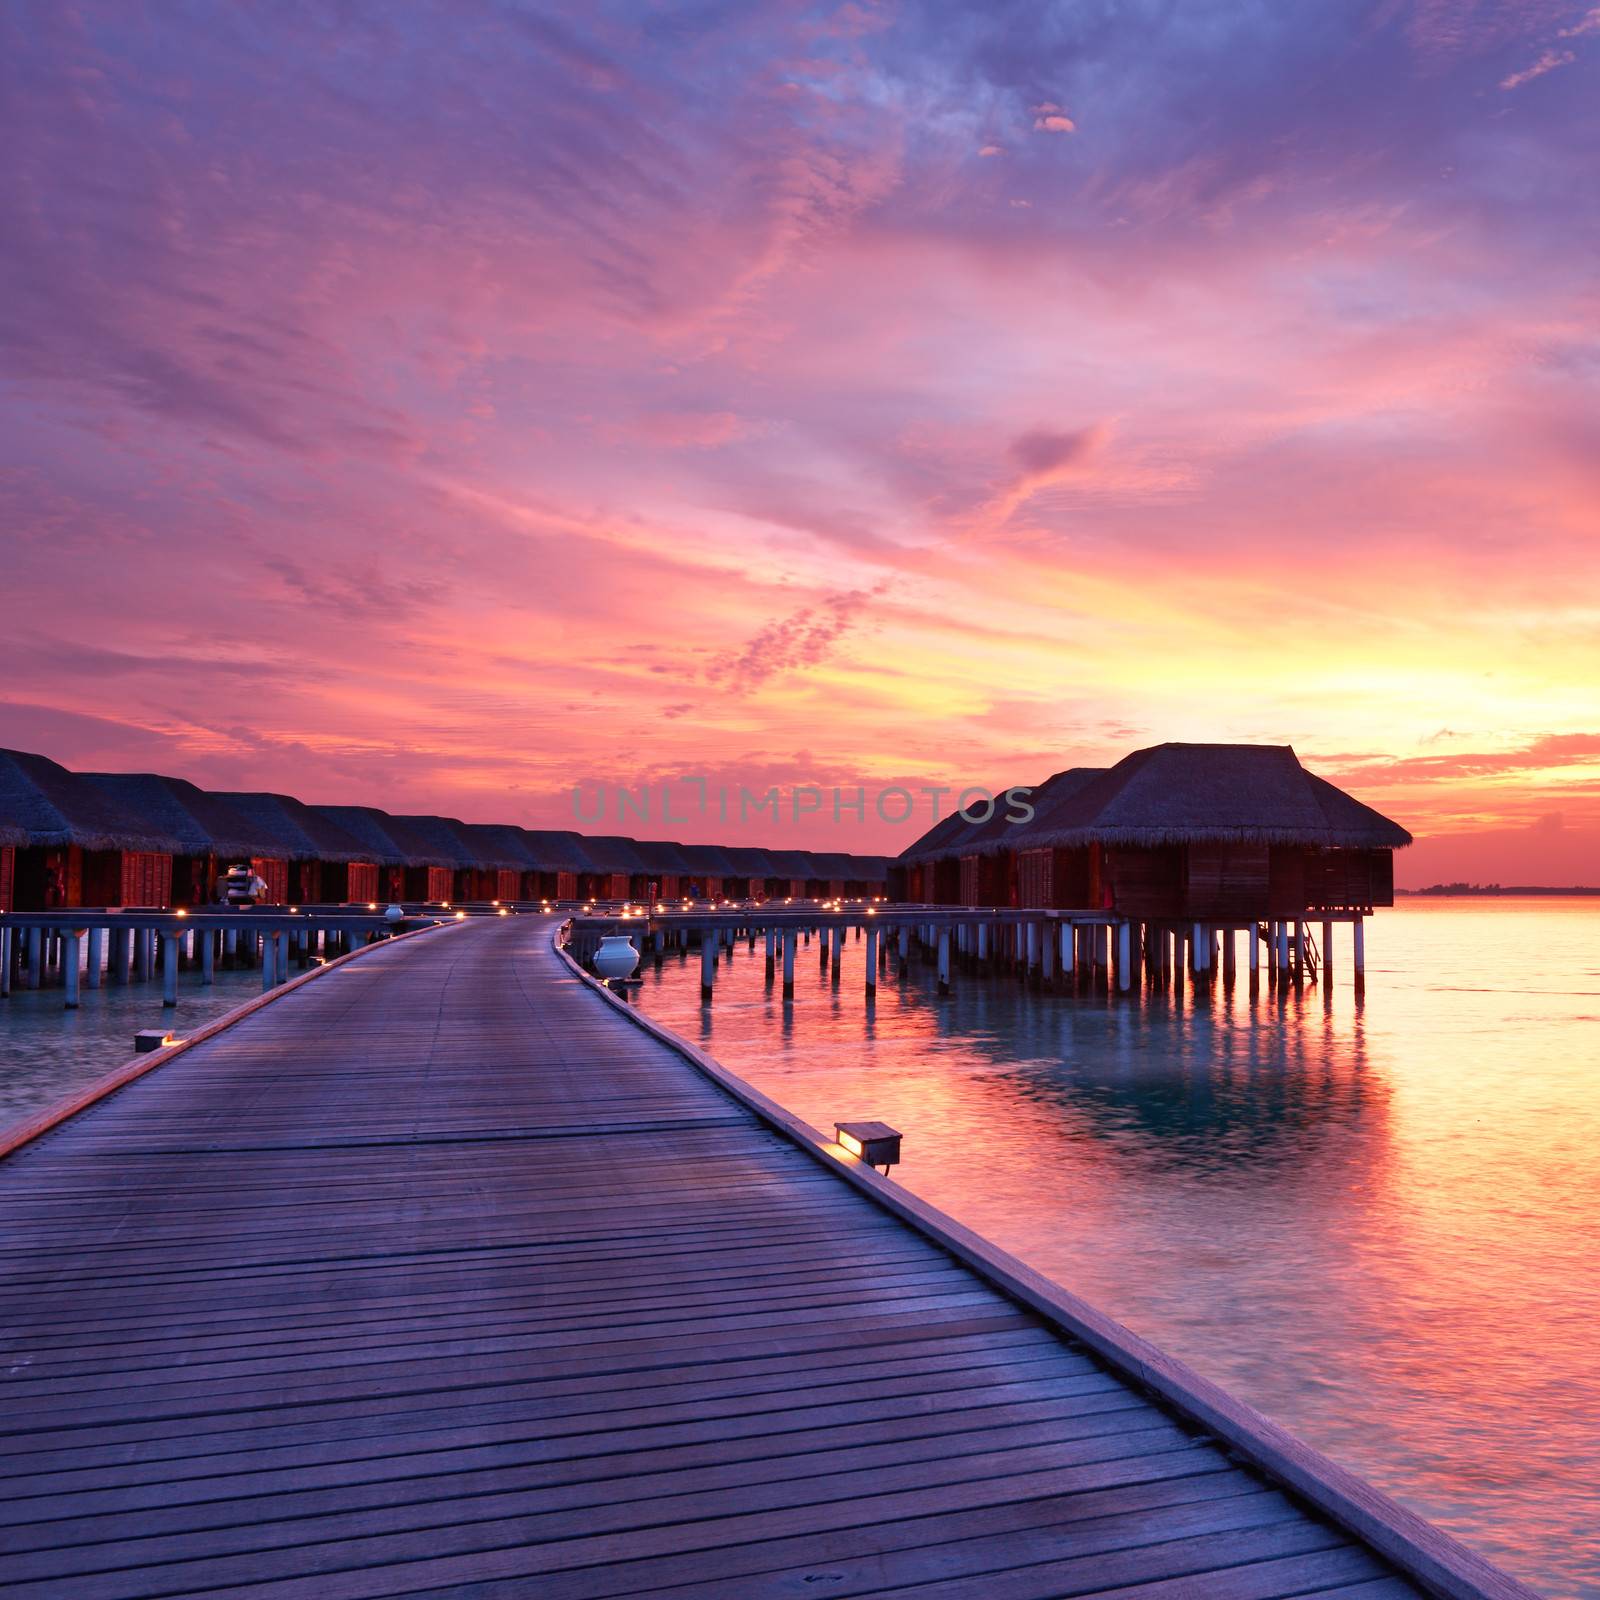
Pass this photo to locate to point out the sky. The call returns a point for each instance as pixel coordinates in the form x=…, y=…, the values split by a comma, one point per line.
x=451, y=407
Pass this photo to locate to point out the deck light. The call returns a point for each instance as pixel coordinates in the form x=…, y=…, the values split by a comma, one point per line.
x=148, y=1039
x=461, y=916
x=504, y=912
x=182, y=911
x=494, y=902
x=875, y=1143
x=372, y=905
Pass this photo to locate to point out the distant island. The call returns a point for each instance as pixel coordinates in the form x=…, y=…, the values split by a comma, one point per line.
x=1498, y=888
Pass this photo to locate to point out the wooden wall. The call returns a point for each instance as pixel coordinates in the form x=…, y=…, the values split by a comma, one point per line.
x=275, y=874
x=361, y=882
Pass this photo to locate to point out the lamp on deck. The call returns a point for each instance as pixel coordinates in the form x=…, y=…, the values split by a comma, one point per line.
x=875, y=1143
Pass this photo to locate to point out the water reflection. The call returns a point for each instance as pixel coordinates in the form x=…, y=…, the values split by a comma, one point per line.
x=1373, y=1219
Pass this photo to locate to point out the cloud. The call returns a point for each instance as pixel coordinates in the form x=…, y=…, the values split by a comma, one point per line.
x=1548, y=62
x=1043, y=454
x=804, y=638
x=1048, y=117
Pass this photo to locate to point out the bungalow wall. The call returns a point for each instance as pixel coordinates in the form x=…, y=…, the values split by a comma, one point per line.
x=427, y=883
x=1228, y=881
x=311, y=882
x=1353, y=880
x=275, y=874
x=566, y=885
x=8, y=876
x=361, y=881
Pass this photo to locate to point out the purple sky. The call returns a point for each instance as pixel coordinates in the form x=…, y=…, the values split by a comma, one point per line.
x=434, y=405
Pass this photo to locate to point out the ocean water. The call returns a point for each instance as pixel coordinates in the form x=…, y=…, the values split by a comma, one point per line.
x=1377, y=1221
x=48, y=1052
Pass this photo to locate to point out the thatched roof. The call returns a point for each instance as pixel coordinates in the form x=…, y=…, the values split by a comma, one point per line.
x=662, y=856
x=611, y=853
x=500, y=847
x=749, y=862
x=953, y=835
x=442, y=839
x=204, y=824
x=292, y=830
x=790, y=864
x=43, y=804
x=379, y=842
x=830, y=864
x=557, y=851
x=1187, y=794
x=710, y=861
x=869, y=869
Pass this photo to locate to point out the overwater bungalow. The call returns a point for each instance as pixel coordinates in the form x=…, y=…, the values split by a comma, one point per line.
x=561, y=860
x=791, y=869
x=754, y=871
x=391, y=860
x=614, y=865
x=211, y=833
x=712, y=871
x=666, y=870
x=307, y=857
x=506, y=869
x=1176, y=832
x=67, y=842
x=447, y=847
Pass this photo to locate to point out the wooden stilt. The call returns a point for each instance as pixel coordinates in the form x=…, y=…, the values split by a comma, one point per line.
x=944, y=961
x=169, y=970
x=790, y=936
x=72, y=950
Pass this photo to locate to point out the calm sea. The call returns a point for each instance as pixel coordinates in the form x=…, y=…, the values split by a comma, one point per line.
x=1378, y=1222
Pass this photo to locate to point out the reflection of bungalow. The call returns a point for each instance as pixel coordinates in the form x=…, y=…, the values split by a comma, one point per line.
x=309, y=858
x=561, y=861
x=65, y=842
x=1177, y=832
x=665, y=867
x=210, y=834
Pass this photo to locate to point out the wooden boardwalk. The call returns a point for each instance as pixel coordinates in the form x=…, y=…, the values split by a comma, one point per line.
x=438, y=1276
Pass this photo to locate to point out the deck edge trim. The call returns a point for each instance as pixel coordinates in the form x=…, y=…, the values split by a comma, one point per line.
x=43, y=1122
x=1420, y=1550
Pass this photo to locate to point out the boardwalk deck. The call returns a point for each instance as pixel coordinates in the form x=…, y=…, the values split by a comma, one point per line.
x=439, y=1276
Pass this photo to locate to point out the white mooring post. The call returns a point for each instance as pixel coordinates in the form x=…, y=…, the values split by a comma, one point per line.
x=838, y=949
x=97, y=943
x=772, y=953
x=1283, y=947
x=208, y=955
x=5, y=963
x=69, y=961
x=267, y=964
x=1030, y=949
x=708, y=964
x=944, y=961
x=35, y=956
x=870, y=960
x=1125, y=956
x=1327, y=952
x=1068, y=939
x=790, y=939
x=905, y=947
x=1359, y=948
x=169, y=969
